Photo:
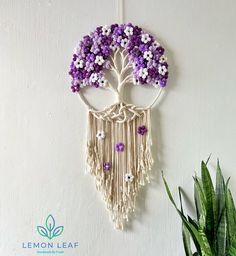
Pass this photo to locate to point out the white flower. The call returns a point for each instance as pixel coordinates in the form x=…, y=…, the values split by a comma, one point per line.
x=129, y=177
x=106, y=30
x=145, y=38
x=99, y=60
x=113, y=46
x=100, y=135
x=143, y=73
x=94, y=77
x=155, y=44
x=147, y=55
x=162, y=69
x=157, y=84
x=129, y=31
x=162, y=59
x=82, y=85
x=79, y=63
x=135, y=80
x=102, y=82
x=124, y=42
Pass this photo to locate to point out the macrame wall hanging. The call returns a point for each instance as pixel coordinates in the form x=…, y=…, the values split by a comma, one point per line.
x=119, y=137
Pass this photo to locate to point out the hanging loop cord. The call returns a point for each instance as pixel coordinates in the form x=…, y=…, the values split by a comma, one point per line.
x=120, y=11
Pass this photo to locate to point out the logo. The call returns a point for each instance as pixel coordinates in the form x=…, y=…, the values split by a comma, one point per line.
x=50, y=230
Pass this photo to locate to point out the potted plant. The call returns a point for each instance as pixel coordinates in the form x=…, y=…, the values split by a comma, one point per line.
x=213, y=230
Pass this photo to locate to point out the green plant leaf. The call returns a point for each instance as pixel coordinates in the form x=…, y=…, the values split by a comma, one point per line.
x=50, y=223
x=197, y=234
x=221, y=235
x=185, y=233
x=195, y=224
x=219, y=193
x=42, y=231
x=58, y=231
x=180, y=200
x=230, y=215
x=210, y=202
x=206, y=250
x=208, y=159
x=220, y=214
x=232, y=249
x=186, y=241
x=200, y=202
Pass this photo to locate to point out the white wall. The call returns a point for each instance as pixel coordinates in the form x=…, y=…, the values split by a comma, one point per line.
x=43, y=125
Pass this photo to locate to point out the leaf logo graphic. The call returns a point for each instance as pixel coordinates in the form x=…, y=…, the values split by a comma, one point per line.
x=50, y=230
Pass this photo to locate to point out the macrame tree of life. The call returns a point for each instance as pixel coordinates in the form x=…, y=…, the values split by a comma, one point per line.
x=119, y=137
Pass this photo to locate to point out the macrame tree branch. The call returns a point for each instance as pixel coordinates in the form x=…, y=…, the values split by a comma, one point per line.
x=121, y=68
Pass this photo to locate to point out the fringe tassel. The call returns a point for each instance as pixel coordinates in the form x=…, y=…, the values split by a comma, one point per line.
x=120, y=123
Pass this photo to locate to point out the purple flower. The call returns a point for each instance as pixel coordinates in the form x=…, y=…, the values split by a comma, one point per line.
x=75, y=88
x=142, y=130
x=163, y=82
x=106, y=166
x=143, y=47
x=153, y=72
x=120, y=147
x=135, y=52
x=160, y=50
x=74, y=57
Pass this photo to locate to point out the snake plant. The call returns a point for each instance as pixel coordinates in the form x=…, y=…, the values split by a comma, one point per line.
x=213, y=230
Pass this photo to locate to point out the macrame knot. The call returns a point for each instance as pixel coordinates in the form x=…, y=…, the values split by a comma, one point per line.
x=119, y=112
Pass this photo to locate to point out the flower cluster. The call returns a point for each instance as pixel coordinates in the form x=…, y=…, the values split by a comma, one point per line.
x=91, y=56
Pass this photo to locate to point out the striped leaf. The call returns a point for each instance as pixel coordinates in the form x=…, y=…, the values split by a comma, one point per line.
x=200, y=202
x=230, y=215
x=220, y=214
x=210, y=201
x=186, y=241
x=221, y=235
x=232, y=249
